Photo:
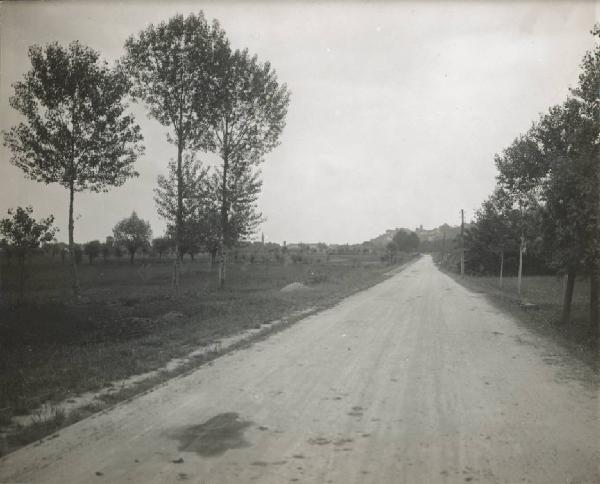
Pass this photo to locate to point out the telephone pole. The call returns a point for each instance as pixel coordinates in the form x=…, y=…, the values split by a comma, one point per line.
x=462, y=242
x=444, y=246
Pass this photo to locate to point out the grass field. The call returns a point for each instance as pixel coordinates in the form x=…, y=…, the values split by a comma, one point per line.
x=129, y=322
x=545, y=293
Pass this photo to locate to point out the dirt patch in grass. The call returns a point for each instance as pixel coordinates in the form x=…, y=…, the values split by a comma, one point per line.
x=294, y=286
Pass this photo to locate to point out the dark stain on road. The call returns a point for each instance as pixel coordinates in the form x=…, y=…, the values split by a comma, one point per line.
x=319, y=441
x=341, y=442
x=215, y=436
x=356, y=412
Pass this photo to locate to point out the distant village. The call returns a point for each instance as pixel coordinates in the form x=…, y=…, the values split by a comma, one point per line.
x=430, y=240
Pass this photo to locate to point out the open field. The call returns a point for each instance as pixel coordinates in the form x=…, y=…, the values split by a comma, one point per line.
x=545, y=293
x=128, y=322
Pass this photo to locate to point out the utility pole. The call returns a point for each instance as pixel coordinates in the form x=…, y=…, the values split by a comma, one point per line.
x=522, y=248
x=462, y=242
x=444, y=246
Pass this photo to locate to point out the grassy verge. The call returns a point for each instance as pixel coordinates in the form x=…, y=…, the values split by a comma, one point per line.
x=128, y=323
x=542, y=315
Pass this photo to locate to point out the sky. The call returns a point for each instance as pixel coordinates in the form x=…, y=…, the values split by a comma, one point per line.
x=396, y=111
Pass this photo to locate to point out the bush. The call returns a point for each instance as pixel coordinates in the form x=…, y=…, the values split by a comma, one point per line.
x=78, y=253
x=92, y=249
x=315, y=277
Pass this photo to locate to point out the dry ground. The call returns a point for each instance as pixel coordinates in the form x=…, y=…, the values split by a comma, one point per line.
x=128, y=322
x=540, y=309
x=417, y=379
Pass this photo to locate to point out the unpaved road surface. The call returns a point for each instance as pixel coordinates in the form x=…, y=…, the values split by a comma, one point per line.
x=415, y=380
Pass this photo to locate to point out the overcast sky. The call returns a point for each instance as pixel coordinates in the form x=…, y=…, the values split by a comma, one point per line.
x=396, y=112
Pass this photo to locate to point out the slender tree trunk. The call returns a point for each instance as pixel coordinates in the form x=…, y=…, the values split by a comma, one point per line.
x=568, y=296
x=462, y=243
x=131, y=256
x=224, y=214
x=520, y=276
x=222, y=266
x=594, y=293
x=444, y=248
x=178, y=216
x=72, y=242
x=21, y=265
x=501, y=267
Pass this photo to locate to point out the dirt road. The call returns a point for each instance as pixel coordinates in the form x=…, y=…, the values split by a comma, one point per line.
x=415, y=380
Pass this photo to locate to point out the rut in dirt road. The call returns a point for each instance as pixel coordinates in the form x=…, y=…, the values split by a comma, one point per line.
x=414, y=380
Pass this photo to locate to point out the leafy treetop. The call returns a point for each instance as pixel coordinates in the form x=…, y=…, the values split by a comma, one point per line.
x=23, y=232
x=76, y=130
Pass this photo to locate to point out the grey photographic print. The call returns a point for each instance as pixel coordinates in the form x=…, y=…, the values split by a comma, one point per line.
x=299, y=242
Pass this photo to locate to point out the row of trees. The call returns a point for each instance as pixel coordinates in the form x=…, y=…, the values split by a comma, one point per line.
x=547, y=198
x=213, y=99
x=21, y=234
x=78, y=132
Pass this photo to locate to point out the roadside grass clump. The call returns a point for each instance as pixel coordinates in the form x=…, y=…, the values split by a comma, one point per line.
x=6, y=415
x=316, y=277
x=40, y=427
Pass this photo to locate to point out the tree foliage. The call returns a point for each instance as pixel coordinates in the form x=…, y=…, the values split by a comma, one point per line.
x=171, y=66
x=162, y=245
x=77, y=131
x=405, y=241
x=132, y=233
x=194, y=194
x=402, y=241
x=242, y=187
x=551, y=176
x=22, y=233
x=214, y=99
x=194, y=189
x=246, y=125
x=92, y=249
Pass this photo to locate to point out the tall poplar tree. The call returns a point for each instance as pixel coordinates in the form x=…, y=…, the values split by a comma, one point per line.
x=247, y=122
x=172, y=68
x=76, y=129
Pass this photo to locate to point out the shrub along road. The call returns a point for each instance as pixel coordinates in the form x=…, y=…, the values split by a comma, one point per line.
x=416, y=379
